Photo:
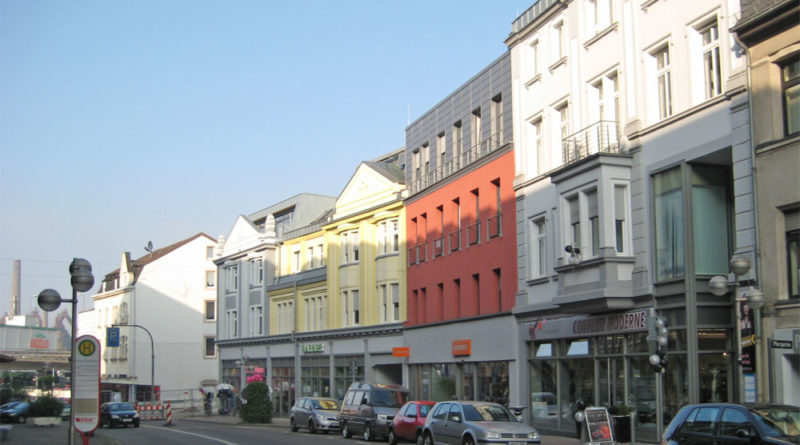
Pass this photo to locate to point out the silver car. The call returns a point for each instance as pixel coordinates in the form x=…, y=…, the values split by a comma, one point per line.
x=461, y=422
x=316, y=414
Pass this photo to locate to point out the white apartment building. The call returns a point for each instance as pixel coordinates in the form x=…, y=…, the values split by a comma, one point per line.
x=634, y=188
x=167, y=296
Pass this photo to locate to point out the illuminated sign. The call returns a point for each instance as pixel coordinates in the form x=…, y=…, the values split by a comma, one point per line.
x=462, y=348
x=313, y=348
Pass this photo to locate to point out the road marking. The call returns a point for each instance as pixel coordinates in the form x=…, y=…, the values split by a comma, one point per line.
x=197, y=435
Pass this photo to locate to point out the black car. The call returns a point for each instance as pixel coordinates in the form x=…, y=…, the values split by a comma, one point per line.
x=733, y=424
x=118, y=413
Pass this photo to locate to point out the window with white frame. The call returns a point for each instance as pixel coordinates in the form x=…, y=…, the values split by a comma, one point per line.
x=441, y=148
x=350, y=244
x=232, y=322
x=574, y=209
x=297, y=263
x=312, y=261
x=620, y=216
x=320, y=255
x=533, y=58
x=476, y=129
x=458, y=144
x=538, y=243
x=389, y=300
x=256, y=320
x=604, y=98
x=209, y=349
x=211, y=278
x=395, y=293
x=285, y=317
x=559, y=49
x=426, y=160
x=535, y=151
x=416, y=165
x=383, y=294
x=388, y=237
x=256, y=266
x=209, y=252
x=790, y=86
x=210, y=310
x=352, y=308
x=594, y=221
x=562, y=120
x=712, y=76
x=662, y=80
x=599, y=16
x=232, y=278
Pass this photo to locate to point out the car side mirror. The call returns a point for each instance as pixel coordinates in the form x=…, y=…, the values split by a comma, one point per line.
x=456, y=418
x=743, y=433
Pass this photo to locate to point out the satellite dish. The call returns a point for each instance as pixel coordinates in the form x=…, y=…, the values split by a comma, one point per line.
x=149, y=247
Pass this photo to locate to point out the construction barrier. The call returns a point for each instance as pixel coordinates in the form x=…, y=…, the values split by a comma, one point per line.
x=150, y=411
x=169, y=415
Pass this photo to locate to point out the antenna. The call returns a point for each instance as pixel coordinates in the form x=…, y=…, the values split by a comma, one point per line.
x=149, y=247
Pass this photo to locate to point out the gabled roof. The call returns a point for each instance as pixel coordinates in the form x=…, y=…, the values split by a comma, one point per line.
x=138, y=264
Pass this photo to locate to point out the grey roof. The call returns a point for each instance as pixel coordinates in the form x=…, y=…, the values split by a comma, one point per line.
x=308, y=207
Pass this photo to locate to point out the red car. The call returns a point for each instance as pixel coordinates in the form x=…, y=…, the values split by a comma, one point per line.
x=408, y=423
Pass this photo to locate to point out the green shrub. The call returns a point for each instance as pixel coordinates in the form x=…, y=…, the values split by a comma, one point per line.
x=46, y=406
x=258, y=408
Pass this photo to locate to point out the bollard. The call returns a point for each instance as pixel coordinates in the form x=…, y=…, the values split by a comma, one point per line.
x=169, y=415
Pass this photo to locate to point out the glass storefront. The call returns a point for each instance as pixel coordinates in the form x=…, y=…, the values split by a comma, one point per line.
x=315, y=376
x=469, y=381
x=282, y=386
x=347, y=369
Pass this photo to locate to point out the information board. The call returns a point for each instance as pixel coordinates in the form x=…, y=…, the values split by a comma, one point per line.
x=598, y=425
x=86, y=384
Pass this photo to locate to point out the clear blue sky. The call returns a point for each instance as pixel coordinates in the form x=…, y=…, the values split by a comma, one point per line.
x=125, y=122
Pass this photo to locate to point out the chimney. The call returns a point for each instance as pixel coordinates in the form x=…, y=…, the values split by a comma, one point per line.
x=15, y=301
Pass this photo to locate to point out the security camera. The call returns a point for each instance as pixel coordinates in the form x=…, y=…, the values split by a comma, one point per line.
x=568, y=248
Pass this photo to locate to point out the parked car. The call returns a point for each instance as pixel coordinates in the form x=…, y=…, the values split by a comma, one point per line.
x=468, y=423
x=14, y=412
x=730, y=423
x=66, y=410
x=316, y=414
x=409, y=421
x=369, y=409
x=118, y=413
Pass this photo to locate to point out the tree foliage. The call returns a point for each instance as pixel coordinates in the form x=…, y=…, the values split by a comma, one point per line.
x=46, y=406
x=258, y=406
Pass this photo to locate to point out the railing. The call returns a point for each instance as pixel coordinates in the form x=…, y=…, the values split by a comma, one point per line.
x=438, y=246
x=455, y=240
x=531, y=14
x=412, y=256
x=474, y=153
x=601, y=137
x=473, y=234
x=494, y=225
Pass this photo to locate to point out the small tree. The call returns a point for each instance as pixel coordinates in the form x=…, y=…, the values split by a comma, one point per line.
x=258, y=406
x=45, y=383
x=46, y=406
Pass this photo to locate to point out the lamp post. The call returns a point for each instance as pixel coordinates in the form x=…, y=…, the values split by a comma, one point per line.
x=152, y=356
x=82, y=280
x=718, y=285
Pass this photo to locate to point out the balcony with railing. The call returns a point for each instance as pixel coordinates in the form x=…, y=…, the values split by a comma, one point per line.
x=452, y=166
x=494, y=226
x=473, y=234
x=438, y=246
x=601, y=137
x=455, y=240
x=418, y=254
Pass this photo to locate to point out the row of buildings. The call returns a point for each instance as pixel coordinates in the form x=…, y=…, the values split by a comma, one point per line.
x=610, y=163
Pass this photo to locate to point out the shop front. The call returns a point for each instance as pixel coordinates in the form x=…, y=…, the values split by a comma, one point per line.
x=468, y=360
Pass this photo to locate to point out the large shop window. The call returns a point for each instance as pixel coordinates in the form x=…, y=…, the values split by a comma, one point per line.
x=710, y=217
x=669, y=261
x=282, y=386
x=348, y=369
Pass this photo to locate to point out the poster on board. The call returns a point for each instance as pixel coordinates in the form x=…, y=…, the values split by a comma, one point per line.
x=598, y=425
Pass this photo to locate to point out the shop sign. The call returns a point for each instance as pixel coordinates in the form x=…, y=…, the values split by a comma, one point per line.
x=401, y=351
x=40, y=342
x=462, y=348
x=583, y=326
x=598, y=426
x=313, y=348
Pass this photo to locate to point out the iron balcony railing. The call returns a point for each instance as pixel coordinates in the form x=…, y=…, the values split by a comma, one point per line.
x=601, y=137
x=494, y=225
x=473, y=234
x=474, y=153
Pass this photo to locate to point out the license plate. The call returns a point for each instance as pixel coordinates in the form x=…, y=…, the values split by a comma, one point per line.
x=127, y=420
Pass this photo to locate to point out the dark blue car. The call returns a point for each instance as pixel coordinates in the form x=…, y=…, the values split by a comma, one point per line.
x=118, y=413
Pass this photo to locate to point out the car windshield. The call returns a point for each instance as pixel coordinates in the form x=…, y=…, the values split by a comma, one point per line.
x=778, y=421
x=325, y=404
x=392, y=399
x=487, y=413
x=120, y=407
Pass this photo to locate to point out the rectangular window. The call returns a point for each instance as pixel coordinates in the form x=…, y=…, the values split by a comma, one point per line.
x=232, y=323
x=209, y=252
x=356, y=308
x=790, y=71
x=384, y=298
x=312, y=260
x=297, y=264
x=256, y=271
x=441, y=147
x=320, y=255
x=350, y=242
x=563, y=121
x=793, y=261
x=573, y=204
x=395, y=301
x=211, y=278
x=534, y=58
x=498, y=276
x=210, y=310
x=256, y=320
x=594, y=221
x=232, y=278
x=416, y=165
x=426, y=161
x=535, y=131
x=710, y=218
x=458, y=144
x=210, y=349
x=477, y=137
x=559, y=45
x=346, y=308
x=497, y=120
x=668, y=214
x=599, y=15
x=711, y=70
x=663, y=81
x=539, y=247
x=476, y=282
x=620, y=193
x=283, y=221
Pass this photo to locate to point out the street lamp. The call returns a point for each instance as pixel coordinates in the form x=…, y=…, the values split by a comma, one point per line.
x=82, y=280
x=718, y=285
x=152, y=356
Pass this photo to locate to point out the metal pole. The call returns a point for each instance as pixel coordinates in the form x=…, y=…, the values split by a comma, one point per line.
x=152, y=358
x=74, y=329
x=738, y=329
x=659, y=403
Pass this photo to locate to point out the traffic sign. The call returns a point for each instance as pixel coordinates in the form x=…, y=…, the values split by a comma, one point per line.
x=86, y=384
x=112, y=337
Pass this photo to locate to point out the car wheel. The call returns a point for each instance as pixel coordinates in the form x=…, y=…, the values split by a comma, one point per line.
x=346, y=433
x=368, y=436
x=419, y=440
x=428, y=440
x=392, y=437
x=312, y=427
x=292, y=426
x=468, y=441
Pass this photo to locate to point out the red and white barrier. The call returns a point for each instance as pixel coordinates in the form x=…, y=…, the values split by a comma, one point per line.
x=150, y=412
x=169, y=415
